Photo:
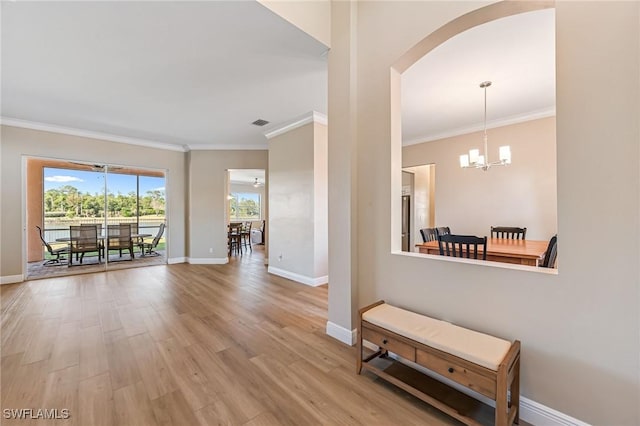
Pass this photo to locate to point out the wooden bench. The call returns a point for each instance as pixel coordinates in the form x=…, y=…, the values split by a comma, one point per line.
x=488, y=365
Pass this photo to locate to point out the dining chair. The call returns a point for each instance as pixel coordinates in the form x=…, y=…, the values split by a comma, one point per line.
x=429, y=234
x=551, y=254
x=443, y=230
x=57, y=252
x=83, y=239
x=245, y=235
x=119, y=238
x=462, y=246
x=509, y=232
x=234, y=235
x=150, y=246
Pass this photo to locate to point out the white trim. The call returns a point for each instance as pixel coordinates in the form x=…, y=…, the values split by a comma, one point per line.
x=25, y=124
x=213, y=147
x=207, y=260
x=298, y=277
x=342, y=334
x=11, y=279
x=320, y=118
x=538, y=414
x=507, y=121
x=483, y=263
x=174, y=260
x=311, y=117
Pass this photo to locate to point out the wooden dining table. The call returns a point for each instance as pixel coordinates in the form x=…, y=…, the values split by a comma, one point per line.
x=521, y=252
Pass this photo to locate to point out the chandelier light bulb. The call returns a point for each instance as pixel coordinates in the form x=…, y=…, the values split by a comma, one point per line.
x=481, y=161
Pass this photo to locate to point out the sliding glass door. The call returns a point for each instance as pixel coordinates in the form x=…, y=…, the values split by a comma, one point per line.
x=89, y=217
x=73, y=202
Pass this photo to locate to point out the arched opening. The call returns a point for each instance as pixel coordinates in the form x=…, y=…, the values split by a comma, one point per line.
x=458, y=186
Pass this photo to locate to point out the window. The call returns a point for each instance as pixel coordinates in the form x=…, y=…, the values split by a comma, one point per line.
x=73, y=197
x=245, y=206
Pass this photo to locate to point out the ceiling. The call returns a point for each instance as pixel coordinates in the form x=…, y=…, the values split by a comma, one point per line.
x=194, y=75
x=186, y=75
x=441, y=96
x=246, y=176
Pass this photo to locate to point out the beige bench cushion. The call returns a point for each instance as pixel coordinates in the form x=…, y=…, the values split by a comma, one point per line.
x=482, y=349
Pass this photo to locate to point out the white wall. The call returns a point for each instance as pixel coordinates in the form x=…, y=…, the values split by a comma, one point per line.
x=523, y=194
x=19, y=142
x=580, y=328
x=297, y=204
x=320, y=200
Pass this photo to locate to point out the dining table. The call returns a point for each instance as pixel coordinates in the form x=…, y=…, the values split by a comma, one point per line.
x=520, y=252
x=102, y=237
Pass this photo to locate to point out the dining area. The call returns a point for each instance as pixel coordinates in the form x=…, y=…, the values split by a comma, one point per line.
x=504, y=244
x=89, y=247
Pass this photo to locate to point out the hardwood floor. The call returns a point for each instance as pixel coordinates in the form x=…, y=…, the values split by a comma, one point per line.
x=187, y=345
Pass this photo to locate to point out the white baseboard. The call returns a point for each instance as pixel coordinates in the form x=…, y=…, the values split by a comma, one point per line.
x=174, y=260
x=207, y=260
x=538, y=414
x=530, y=411
x=314, y=282
x=11, y=279
x=342, y=334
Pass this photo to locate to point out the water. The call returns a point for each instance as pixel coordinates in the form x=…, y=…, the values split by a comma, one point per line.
x=59, y=227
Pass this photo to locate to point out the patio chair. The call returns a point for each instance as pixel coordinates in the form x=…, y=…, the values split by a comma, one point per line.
x=57, y=252
x=119, y=238
x=150, y=246
x=84, y=239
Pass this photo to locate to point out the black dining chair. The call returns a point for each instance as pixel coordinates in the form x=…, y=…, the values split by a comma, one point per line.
x=245, y=235
x=509, y=232
x=234, y=238
x=443, y=230
x=462, y=246
x=551, y=254
x=57, y=252
x=429, y=234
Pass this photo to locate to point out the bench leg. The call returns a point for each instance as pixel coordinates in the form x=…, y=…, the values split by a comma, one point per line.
x=502, y=404
x=515, y=392
x=359, y=348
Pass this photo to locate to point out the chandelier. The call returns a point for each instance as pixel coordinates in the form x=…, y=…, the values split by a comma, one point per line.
x=474, y=160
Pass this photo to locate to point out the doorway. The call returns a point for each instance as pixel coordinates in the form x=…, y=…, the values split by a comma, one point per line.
x=246, y=212
x=418, y=184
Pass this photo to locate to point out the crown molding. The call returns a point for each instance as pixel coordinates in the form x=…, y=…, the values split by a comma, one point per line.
x=214, y=147
x=311, y=117
x=45, y=127
x=507, y=121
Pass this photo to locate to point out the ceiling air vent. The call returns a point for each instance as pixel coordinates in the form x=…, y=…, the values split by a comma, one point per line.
x=260, y=122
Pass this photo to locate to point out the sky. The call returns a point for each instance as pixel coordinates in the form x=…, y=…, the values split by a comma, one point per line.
x=93, y=182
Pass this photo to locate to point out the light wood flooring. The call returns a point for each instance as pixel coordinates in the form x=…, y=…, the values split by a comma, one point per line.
x=187, y=345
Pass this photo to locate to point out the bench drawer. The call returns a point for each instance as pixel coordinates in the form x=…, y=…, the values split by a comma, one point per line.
x=451, y=370
x=389, y=343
